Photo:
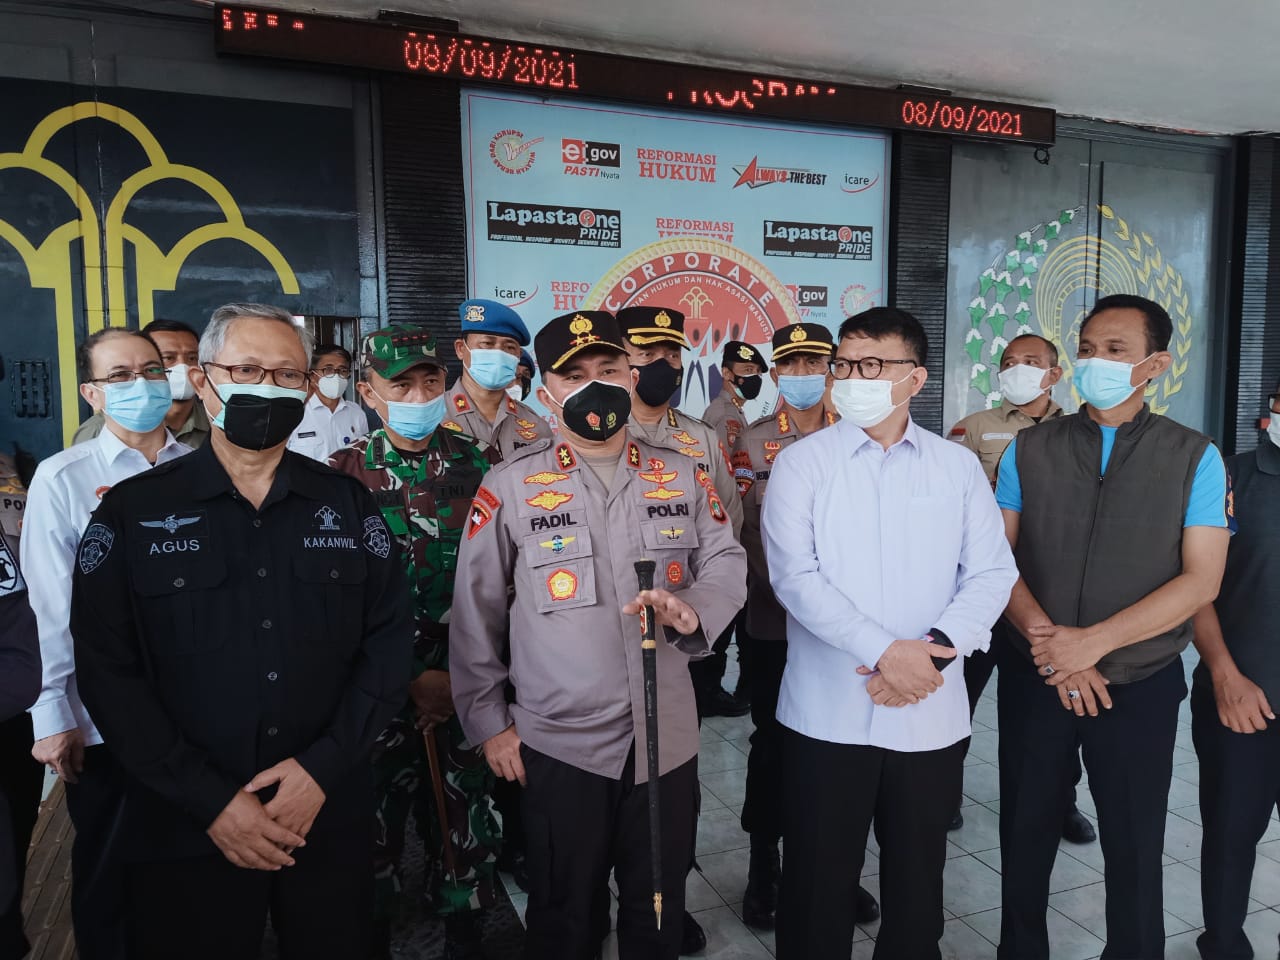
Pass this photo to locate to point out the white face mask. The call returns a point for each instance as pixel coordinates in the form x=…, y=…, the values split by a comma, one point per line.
x=1021, y=384
x=180, y=387
x=516, y=391
x=1273, y=429
x=332, y=386
x=864, y=403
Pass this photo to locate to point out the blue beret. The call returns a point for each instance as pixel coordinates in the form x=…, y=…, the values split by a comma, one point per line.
x=527, y=361
x=497, y=319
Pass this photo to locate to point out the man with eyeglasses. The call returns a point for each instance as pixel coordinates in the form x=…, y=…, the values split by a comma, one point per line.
x=123, y=378
x=490, y=347
x=800, y=350
x=242, y=633
x=330, y=421
x=186, y=418
x=1233, y=722
x=887, y=551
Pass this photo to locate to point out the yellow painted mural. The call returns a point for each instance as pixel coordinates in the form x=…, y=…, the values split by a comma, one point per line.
x=103, y=245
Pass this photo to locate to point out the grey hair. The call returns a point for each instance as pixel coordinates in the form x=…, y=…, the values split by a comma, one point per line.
x=214, y=337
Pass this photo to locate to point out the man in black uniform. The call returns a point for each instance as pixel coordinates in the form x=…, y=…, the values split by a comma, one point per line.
x=242, y=632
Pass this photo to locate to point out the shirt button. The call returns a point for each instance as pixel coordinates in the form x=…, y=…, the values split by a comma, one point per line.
x=179, y=583
x=273, y=676
x=257, y=522
x=333, y=574
x=262, y=571
x=272, y=731
x=266, y=624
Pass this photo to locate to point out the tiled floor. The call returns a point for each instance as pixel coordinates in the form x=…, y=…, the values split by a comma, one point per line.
x=972, y=879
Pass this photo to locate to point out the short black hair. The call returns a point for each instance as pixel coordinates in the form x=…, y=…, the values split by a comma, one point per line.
x=1053, y=347
x=325, y=348
x=880, y=322
x=84, y=352
x=169, y=326
x=1159, y=325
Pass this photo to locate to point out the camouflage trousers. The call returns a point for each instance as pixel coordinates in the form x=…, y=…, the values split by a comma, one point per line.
x=402, y=785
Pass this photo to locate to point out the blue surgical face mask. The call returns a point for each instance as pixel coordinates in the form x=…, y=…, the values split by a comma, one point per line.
x=801, y=393
x=1104, y=384
x=265, y=391
x=138, y=406
x=492, y=369
x=414, y=421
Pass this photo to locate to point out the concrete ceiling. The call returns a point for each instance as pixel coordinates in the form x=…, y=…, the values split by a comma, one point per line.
x=1180, y=64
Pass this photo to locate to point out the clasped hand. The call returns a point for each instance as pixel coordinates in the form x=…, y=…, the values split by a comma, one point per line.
x=258, y=836
x=905, y=673
x=1069, y=650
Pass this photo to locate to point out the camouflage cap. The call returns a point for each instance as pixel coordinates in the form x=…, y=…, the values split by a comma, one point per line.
x=392, y=350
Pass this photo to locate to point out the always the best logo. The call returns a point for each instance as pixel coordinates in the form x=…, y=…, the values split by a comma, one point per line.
x=544, y=223
x=821, y=241
x=755, y=175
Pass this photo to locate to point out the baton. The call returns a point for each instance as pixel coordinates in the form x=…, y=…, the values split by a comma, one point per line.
x=437, y=787
x=649, y=655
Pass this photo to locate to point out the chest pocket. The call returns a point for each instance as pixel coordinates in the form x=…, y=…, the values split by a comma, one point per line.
x=560, y=564
x=330, y=598
x=180, y=596
x=670, y=543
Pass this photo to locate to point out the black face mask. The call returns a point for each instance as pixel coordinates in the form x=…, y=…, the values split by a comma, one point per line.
x=259, y=423
x=598, y=410
x=658, y=381
x=749, y=386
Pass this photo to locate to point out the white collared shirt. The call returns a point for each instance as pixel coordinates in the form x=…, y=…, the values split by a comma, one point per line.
x=322, y=431
x=866, y=546
x=64, y=493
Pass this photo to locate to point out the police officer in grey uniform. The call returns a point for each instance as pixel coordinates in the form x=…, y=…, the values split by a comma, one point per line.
x=478, y=403
x=742, y=369
x=559, y=526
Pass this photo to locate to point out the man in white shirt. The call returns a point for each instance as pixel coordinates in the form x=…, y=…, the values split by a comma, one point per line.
x=885, y=546
x=330, y=421
x=124, y=378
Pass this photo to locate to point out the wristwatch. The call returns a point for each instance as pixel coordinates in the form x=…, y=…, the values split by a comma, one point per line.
x=937, y=636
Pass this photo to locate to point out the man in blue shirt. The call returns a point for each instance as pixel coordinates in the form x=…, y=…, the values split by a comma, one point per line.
x=1119, y=522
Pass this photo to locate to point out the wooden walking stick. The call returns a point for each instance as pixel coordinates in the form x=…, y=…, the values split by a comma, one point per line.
x=437, y=787
x=649, y=655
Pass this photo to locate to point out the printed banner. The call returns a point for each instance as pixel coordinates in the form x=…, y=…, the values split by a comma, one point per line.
x=742, y=226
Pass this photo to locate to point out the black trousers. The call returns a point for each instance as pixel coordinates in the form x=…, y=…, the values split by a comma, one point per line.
x=21, y=779
x=207, y=909
x=96, y=806
x=1128, y=751
x=578, y=826
x=831, y=793
x=1239, y=787
x=762, y=806
x=708, y=672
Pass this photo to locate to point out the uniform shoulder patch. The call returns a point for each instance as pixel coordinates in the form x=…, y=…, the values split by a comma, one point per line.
x=10, y=577
x=482, y=508
x=377, y=540
x=714, y=503
x=95, y=545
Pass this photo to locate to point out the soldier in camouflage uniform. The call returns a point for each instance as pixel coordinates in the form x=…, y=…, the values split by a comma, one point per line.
x=424, y=479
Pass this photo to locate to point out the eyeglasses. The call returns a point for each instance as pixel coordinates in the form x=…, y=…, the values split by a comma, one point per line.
x=868, y=367
x=286, y=377
x=153, y=372
x=331, y=371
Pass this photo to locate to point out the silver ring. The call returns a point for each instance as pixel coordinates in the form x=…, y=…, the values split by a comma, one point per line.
x=1073, y=694
x=1048, y=670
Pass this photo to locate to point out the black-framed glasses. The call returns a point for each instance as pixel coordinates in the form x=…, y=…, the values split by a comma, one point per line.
x=154, y=371
x=330, y=371
x=868, y=367
x=286, y=377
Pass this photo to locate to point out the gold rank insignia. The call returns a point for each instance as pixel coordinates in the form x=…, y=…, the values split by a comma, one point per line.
x=511, y=405
x=460, y=403
x=663, y=319
x=784, y=422
x=633, y=455
x=744, y=352
x=832, y=417
x=690, y=452
x=565, y=456
x=546, y=478
x=549, y=499
x=771, y=448
x=683, y=437
x=527, y=434
x=797, y=334
x=526, y=424
x=451, y=425
x=562, y=584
